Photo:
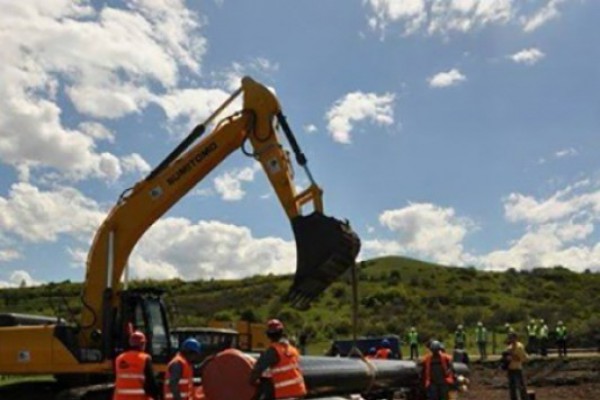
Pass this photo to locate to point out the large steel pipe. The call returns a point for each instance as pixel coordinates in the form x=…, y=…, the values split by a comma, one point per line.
x=227, y=375
x=339, y=376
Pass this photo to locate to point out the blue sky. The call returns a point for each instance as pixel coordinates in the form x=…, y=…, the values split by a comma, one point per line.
x=463, y=132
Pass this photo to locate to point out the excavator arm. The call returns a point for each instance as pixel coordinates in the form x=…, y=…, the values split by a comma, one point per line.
x=326, y=247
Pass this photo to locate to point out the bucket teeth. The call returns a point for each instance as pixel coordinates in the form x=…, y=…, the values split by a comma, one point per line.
x=326, y=249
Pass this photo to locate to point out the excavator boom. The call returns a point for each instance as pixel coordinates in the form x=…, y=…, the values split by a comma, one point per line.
x=326, y=247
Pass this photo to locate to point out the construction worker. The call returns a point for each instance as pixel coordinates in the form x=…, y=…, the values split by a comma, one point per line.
x=438, y=375
x=561, y=339
x=277, y=368
x=134, y=374
x=460, y=338
x=481, y=338
x=384, y=352
x=508, y=329
x=371, y=353
x=542, y=338
x=334, y=350
x=532, y=328
x=516, y=357
x=179, y=379
x=413, y=341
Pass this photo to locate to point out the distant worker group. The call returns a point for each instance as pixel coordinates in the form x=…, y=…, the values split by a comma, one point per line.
x=537, y=332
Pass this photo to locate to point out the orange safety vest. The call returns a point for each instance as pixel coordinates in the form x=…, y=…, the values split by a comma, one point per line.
x=383, y=353
x=186, y=382
x=286, y=375
x=445, y=361
x=130, y=377
x=199, y=393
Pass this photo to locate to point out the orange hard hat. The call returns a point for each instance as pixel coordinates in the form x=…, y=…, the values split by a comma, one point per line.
x=137, y=339
x=274, y=326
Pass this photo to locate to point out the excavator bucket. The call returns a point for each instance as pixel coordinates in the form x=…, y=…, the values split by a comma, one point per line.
x=326, y=248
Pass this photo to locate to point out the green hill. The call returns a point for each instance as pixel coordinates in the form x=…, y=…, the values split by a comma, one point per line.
x=394, y=292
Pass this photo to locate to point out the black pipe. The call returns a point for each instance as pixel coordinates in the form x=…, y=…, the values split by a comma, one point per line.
x=328, y=376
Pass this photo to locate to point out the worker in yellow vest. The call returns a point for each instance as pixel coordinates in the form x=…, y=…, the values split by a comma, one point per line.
x=133, y=371
x=277, y=370
x=179, y=379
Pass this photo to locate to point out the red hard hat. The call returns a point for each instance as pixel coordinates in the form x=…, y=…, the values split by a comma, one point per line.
x=137, y=339
x=274, y=325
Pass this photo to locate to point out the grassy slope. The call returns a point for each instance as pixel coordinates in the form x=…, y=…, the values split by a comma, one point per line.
x=395, y=293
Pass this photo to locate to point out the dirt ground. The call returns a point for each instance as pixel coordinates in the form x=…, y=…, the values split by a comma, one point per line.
x=576, y=379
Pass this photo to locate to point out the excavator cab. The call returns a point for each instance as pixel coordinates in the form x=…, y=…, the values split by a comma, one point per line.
x=144, y=310
x=326, y=248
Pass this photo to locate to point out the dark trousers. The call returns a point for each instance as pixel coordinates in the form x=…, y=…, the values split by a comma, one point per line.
x=532, y=345
x=543, y=345
x=265, y=390
x=437, y=392
x=516, y=385
x=562, y=347
x=414, y=351
x=482, y=350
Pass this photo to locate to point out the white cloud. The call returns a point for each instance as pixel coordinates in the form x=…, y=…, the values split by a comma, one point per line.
x=547, y=13
x=547, y=246
x=260, y=67
x=135, y=163
x=9, y=255
x=97, y=131
x=46, y=48
x=410, y=12
x=229, y=184
x=380, y=247
x=439, y=16
x=424, y=230
x=569, y=152
x=558, y=230
x=192, y=106
x=528, y=56
x=38, y=216
x=18, y=278
x=176, y=247
x=445, y=17
x=445, y=79
x=356, y=107
x=565, y=203
x=466, y=15
x=310, y=128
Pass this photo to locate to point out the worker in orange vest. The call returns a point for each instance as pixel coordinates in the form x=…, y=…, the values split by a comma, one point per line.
x=179, y=379
x=277, y=370
x=438, y=375
x=371, y=353
x=384, y=352
x=134, y=374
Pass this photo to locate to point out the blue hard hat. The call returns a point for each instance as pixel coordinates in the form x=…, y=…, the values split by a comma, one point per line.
x=385, y=343
x=435, y=345
x=191, y=345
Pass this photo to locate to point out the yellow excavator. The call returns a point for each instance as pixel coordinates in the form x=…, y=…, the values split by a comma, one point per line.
x=326, y=247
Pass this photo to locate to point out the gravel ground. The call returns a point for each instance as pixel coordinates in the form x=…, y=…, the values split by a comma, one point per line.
x=551, y=380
